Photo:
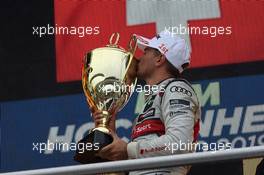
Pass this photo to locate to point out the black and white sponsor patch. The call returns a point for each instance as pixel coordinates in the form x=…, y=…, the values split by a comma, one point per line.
x=149, y=103
x=149, y=114
x=179, y=101
x=181, y=90
x=174, y=113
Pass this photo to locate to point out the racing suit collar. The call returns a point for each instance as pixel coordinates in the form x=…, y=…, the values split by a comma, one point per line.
x=161, y=82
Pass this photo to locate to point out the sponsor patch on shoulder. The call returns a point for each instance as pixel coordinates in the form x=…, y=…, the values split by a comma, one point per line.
x=179, y=102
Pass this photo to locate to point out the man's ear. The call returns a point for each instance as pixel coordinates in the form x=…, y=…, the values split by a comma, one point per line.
x=161, y=59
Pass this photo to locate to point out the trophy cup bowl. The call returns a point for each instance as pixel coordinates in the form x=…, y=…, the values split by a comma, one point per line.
x=108, y=79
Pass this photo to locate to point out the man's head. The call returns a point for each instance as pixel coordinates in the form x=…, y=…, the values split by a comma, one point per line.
x=163, y=54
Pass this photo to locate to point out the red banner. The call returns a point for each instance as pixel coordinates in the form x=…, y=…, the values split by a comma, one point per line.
x=100, y=20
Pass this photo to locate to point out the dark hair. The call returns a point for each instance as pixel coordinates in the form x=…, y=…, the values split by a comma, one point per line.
x=173, y=70
x=157, y=52
x=170, y=68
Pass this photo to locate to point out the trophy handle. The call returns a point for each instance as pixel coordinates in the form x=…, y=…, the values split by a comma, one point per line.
x=130, y=71
x=111, y=43
x=85, y=69
x=132, y=45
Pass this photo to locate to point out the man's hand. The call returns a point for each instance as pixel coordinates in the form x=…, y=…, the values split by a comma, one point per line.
x=97, y=116
x=117, y=150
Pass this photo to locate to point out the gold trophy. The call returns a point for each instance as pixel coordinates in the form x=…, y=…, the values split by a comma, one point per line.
x=108, y=80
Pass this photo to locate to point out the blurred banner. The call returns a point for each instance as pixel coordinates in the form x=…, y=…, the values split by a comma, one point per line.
x=232, y=112
x=219, y=32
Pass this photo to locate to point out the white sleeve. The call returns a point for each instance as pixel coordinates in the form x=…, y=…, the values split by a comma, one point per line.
x=178, y=108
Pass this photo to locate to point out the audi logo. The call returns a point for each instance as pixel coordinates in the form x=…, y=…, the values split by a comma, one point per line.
x=181, y=90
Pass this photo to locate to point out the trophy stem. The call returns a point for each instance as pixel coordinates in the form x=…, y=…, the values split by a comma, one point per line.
x=105, y=119
x=102, y=129
x=103, y=125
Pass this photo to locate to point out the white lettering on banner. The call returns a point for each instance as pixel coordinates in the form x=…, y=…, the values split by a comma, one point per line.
x=251, y=122
x=242, y=141
x=212, y=92
x=223, y=140
x=170, y=13
x=233, y=122
x=67, y=138
x=253, y=115
x=206, y=125
x=261, y=140
x=55, y=138
x=84, y=128
x=252, y=140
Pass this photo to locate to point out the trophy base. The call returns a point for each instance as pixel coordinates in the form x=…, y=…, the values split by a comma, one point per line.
x=97, y=139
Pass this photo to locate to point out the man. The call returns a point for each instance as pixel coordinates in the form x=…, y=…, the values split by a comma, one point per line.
x=171, y=114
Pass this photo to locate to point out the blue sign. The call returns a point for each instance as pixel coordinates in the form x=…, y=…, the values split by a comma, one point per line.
x=32, y=130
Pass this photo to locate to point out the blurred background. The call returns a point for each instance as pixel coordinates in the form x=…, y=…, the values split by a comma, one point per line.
x=41, y=96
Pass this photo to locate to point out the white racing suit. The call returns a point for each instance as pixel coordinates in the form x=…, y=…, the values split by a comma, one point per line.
x=168, y=124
